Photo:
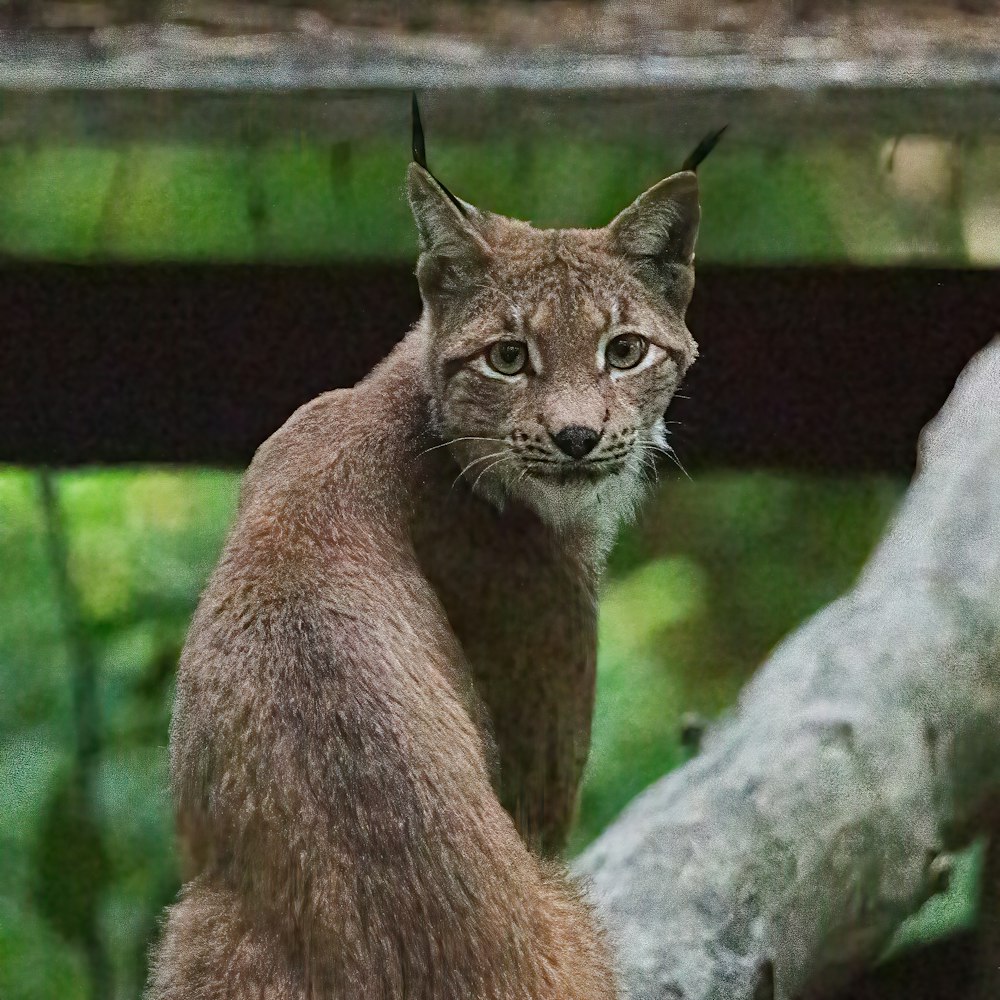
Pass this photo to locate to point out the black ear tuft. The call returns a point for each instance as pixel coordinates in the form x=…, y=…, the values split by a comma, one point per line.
x=700, y=151
x=420, y=151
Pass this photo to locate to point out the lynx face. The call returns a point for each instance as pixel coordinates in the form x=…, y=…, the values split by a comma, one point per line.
x=554, y=353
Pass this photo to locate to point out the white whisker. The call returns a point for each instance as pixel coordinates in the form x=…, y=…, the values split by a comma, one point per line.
x=444, y=444
x=649, y=467
x=476, y=461
x=483, y=472
x=666, y=449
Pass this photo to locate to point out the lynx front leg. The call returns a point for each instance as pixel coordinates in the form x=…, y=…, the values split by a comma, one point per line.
x=521, y=601
x=535, y=669
x=542, y=734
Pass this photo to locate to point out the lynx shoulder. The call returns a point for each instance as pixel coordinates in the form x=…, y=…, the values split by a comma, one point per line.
x=383, y=704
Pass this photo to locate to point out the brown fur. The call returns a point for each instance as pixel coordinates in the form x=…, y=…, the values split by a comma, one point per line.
x=382, y=650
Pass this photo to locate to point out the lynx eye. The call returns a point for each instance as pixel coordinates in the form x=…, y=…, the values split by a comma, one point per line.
x=626, y=350
x=508, y=357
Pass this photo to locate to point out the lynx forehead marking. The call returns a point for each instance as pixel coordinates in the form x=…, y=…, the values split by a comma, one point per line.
x=541, y=315
x=560, y=324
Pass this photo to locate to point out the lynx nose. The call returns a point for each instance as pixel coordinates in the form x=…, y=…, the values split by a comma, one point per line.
x=576, y=441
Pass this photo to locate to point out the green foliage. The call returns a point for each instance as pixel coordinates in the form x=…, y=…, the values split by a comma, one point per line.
x=141, y=545
x=69, y=859
x=636, y=721
x=284, y=200
x=34, y=963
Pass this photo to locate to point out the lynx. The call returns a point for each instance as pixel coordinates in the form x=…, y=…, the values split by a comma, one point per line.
x=383, y=705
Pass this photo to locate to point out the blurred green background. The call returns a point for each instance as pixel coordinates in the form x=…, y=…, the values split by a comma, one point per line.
x=874, y=200
x=101, y=569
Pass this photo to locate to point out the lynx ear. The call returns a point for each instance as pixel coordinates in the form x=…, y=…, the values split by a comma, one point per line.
x=452, y=249
x=445, y=225
x=657, y=232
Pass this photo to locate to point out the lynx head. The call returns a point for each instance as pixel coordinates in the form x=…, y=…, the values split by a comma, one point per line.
x=553, y=354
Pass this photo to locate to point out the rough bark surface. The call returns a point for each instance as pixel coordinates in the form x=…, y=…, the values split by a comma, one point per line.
x=812, y=823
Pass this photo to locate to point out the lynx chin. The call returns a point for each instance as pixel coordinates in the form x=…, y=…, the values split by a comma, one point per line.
x=383, y=705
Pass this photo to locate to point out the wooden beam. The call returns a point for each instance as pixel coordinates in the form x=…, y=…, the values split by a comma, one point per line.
x=821, y=369
x=184, y=82
x=622, y=113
